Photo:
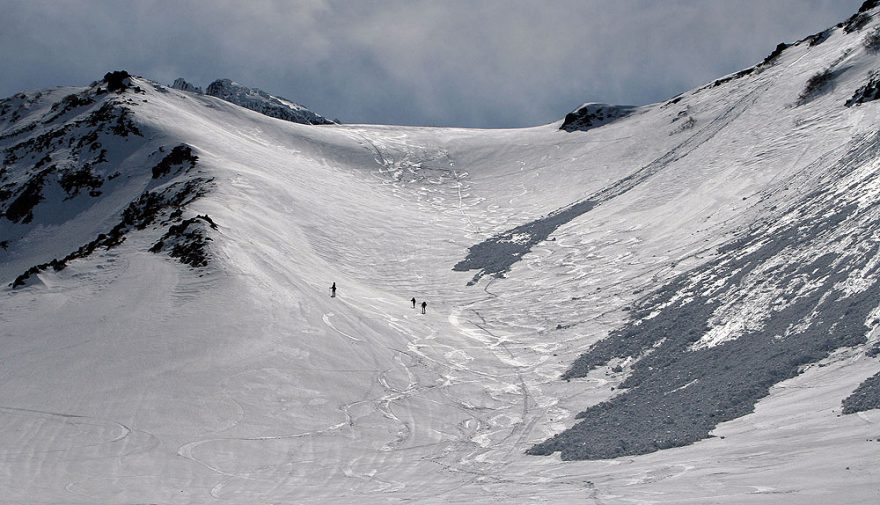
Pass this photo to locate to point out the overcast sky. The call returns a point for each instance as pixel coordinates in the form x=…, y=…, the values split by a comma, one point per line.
x=476, y=63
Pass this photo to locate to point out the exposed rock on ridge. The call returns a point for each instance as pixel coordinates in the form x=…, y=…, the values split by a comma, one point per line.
x=258, y=100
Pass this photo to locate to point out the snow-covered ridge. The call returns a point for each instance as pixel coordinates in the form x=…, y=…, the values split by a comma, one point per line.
x=740, y=307
x=259, y=101
x=77, y=161
x=710, y=265
x=256, y=100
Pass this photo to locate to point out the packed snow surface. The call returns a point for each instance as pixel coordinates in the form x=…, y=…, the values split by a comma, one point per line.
x=734, y=217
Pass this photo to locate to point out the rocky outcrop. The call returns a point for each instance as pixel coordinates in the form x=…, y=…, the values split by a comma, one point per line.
x=183, y=85
x=258, y=100
x=594, y=115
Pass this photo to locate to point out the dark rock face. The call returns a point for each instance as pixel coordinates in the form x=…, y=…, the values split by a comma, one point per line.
x=187, y=241
x=731, y=77
x=868, y=5
x=77, y=137
x=773, y=56
x=680, y=390
x=181, y=155
x=113, y=118
x=594, y=115
x=768, y=61
x=118, y=80
x=168, y=203
x=856, y=22
x=867, y=92
x=818, y=38
x=258, y=100
x=163, y=207
x=816, y=85
x=182, y=85
x=69, y=103
x=21, y=210
x=74, y=181
x=865, y=397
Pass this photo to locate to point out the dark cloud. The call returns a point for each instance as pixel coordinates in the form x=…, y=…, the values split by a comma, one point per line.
x=484, y=63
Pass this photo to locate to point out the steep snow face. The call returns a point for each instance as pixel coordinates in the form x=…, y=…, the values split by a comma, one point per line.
x=703, y=273
x=259, y=101
x=713, y=341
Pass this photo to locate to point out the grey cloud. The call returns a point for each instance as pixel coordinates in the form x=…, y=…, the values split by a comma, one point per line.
x=466, y=63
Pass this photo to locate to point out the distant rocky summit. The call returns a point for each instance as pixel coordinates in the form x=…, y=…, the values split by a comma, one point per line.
x=259, y=101
x=181, y=84
x=593, y=115
x=256, y=100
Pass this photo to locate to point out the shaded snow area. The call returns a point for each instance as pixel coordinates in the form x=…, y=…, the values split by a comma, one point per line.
x=679, y=304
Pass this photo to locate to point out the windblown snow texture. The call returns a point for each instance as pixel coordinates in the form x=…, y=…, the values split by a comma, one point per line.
x=680, y=390
x=497, y=254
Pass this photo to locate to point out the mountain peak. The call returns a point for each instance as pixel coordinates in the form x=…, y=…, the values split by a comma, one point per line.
x=258, y=100
x=181, y=84
x=868, y=5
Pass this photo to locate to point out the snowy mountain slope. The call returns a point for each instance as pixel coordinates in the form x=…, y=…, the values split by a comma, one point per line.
x=74, y=177
x=256, y=100
x=688, y=258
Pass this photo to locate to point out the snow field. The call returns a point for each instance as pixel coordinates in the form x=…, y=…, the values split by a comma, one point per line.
x=129, y=379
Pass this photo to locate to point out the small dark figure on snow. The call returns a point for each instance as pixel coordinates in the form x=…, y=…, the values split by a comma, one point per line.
x=333, y=290
x=414, y=302
x=424, y=306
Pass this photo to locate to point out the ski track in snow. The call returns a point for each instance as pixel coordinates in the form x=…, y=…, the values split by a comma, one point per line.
x=248, y=384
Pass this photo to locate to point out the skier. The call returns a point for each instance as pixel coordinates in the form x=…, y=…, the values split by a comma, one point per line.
x=414, y=301
x=424, y=305
x=333, y=290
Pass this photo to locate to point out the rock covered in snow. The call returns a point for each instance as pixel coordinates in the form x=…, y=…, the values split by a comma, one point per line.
x=181, y=84
x=593, y=115
x=259, y=101
x=64, y=153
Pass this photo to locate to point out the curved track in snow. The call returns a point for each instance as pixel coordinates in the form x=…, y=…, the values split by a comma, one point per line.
x=246, y=383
